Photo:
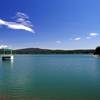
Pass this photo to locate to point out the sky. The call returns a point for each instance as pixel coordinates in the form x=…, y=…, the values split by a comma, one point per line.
x=50, y=24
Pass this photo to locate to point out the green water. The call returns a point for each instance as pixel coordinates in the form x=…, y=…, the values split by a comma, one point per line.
x=50, y=77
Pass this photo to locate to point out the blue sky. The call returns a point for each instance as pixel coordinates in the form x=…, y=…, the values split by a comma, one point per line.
x=53, y=24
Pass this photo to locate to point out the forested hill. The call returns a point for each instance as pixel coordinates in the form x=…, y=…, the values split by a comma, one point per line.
x=48, y=51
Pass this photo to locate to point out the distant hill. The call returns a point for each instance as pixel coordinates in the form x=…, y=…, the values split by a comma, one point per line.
x=32, y=51
x=48, y=51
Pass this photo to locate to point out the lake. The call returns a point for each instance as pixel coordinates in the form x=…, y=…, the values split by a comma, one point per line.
x=50, y=77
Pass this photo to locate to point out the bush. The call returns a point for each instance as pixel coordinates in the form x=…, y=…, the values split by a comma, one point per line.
x=97, y=51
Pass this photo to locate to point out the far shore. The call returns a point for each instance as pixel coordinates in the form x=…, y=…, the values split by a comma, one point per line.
x=49, y=51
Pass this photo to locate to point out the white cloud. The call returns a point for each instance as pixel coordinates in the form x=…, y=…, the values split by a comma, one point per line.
x=23, y=19
x=88, y=37
x=78, y=38
x=58, y=42
x=21, y=23
x=93, y=34
x=21, y=15
x=2, y=22
x=3, y=46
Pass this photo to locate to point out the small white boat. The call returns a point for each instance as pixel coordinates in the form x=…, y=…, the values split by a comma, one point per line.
x=7, y=56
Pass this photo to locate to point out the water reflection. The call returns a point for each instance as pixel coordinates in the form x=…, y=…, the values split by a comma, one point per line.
x=5, y=76
x=16, y=80
x=8, y=63
x=50, y=78
x=97, y=60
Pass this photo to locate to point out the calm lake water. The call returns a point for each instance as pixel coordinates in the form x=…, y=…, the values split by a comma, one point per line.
x=50, y=77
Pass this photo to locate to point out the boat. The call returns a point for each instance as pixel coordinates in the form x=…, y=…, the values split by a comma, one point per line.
x=7, y=56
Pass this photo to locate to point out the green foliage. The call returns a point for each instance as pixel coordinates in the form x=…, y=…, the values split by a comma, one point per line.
x=97, y=51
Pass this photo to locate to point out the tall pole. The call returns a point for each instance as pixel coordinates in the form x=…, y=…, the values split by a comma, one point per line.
x=3, y=51
x=11, y=51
